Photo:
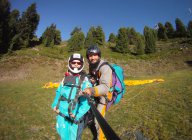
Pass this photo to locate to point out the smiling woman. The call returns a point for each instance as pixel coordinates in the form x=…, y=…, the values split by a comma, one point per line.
x=69, y=105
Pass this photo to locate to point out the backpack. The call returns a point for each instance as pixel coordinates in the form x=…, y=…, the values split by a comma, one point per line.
x=118, y=86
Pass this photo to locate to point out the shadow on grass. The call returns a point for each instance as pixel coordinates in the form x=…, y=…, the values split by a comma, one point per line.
x=138, y=135
x=189, y=63
x=112, y=49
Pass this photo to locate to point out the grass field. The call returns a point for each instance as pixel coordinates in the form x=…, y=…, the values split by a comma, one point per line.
x=157, y=110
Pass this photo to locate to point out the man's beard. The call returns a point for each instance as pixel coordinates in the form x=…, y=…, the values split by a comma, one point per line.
x=93, y=66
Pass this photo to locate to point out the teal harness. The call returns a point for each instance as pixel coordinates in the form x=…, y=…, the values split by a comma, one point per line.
x=71, y=82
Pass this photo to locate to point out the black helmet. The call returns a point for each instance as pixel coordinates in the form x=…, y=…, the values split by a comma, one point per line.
x=94, y=49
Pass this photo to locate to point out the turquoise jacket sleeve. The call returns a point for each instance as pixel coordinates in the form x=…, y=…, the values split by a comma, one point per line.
x=83, y=103
x=57, y=96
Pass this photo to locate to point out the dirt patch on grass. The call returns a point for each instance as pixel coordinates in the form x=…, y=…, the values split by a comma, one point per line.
x=21, y=72
x=176, y=60
x=40, y=68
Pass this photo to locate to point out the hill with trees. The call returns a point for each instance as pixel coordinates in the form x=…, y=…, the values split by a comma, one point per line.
x=17, y=31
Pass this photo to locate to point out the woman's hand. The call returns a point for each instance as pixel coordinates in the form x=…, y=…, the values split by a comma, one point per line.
x=71, y=115
x=56, y=110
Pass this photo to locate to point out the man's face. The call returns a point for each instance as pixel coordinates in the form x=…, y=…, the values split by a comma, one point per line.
x=93, y=58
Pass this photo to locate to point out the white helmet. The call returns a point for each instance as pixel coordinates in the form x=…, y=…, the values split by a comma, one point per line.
x=76, y=56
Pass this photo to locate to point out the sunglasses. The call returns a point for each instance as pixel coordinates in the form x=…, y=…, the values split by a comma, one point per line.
x=78, y=63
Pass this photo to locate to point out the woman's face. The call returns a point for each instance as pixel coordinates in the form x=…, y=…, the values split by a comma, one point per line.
x=76, y=64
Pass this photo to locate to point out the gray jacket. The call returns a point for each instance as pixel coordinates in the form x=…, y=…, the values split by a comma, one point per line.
x=105, y=80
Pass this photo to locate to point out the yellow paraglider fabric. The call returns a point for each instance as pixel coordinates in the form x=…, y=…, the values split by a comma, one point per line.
x=141, y=82
x=127, y=83
x=51, y=85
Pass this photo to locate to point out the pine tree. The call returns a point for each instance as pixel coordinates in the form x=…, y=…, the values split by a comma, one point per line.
x=180, y=28
x=28, y=24
x=75, y=30
x=100, y=36
x=131, y=34
x=150, y=40
x=48, y=36
x=76, y=42
x=161, y=33
x=14, y=35
x=51, y=36
x=122, y=41
x=90, y=38
x=140, y=45
x=57, y=38
x=95, y=36
x=189, y=28
x=4, y=27
x=112, y=38
x=169, y=30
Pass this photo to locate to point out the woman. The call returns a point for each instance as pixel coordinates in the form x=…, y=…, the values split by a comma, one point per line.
x=68, y=103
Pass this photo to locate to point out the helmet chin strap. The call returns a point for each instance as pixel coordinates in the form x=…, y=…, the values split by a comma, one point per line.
x=75, y=70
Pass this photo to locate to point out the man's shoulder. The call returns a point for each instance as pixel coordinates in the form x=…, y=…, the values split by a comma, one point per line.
x=103, y=65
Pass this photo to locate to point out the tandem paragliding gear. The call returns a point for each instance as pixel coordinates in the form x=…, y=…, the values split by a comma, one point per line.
x=107, y=130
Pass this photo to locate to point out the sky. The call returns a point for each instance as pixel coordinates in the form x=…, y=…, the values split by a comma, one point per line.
x=109, y=14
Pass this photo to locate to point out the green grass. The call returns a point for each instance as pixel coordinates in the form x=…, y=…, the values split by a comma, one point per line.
x=25, y=111
x=158, y=110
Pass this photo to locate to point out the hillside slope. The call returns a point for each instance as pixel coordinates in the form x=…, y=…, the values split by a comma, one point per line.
x=170, y=56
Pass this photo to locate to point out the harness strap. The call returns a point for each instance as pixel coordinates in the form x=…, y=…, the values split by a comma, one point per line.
x=71, y=120
x=66, y=117
x=66, y=84
x=62, y=98
x=58, y=103
x=73, y=103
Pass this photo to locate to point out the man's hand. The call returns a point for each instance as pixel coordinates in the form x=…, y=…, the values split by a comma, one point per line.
x=88, y=91
x=93, y=81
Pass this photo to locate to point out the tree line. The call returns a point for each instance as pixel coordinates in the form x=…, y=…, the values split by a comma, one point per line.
x=17, y=31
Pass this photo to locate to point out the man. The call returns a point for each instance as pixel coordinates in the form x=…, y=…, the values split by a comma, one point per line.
x=102, y=79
